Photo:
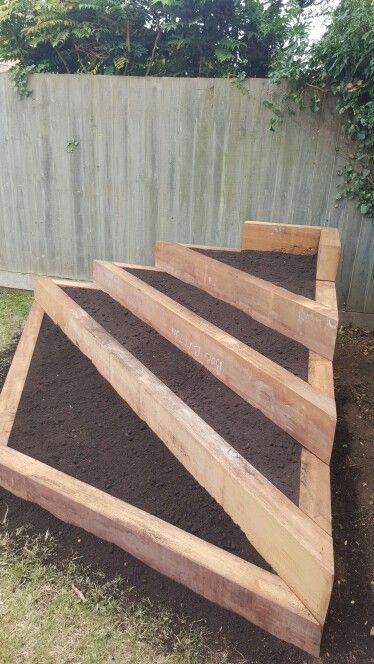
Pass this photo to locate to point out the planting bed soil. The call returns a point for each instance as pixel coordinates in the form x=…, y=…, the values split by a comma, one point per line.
x=281, y=349
x=272, y=451
x=346, y=639
x=70, y=418
x=296, y=273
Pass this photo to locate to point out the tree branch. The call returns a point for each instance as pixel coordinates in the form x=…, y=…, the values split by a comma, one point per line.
x=153, y=51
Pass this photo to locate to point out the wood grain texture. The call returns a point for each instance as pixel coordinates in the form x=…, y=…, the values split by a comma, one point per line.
x=315, y=481
x=286, y=238
x=12, y=389
x=299, y=318
x=315, y=490
x=328, y=254
x=221, y=577
x=296, y=548
x=284, y=398
x=176, y=159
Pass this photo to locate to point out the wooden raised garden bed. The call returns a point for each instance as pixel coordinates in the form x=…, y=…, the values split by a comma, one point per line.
x=201, y=312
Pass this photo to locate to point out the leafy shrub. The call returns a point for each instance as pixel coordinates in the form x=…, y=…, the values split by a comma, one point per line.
x=342, y=62
x=157, y=37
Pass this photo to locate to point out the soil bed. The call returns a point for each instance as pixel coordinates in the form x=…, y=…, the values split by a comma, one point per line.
x=296, y=273
x=272, y=451
x=284, y=351
x=346, y=639
x=70, y=418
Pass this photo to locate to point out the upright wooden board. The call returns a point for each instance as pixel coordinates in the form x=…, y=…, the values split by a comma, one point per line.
x=221, y=577
x=284, y=398
x=297, y=549
x=299, y=318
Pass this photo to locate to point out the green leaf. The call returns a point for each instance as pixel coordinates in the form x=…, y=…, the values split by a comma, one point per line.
x=119, y=62
x=222, y=54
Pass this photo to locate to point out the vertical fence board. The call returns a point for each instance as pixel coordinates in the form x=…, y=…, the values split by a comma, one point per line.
x=163, y=158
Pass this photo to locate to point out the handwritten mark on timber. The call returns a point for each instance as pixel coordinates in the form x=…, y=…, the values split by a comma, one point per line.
x=213, y=363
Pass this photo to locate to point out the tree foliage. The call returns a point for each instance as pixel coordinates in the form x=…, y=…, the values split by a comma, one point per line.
x=155, y=37
x=342, y=62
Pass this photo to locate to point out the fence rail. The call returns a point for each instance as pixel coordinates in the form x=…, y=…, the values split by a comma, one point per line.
x=102, y=166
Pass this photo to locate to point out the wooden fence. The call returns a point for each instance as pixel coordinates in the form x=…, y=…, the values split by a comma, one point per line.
x=102, y=166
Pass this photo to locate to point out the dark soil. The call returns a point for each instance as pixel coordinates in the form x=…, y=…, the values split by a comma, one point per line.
x=91, y=434
x=288, y=353
x=297, y=274
x=72, y=419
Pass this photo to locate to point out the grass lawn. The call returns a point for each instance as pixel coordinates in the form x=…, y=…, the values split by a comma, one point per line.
x=14, y=308
x=67, y=613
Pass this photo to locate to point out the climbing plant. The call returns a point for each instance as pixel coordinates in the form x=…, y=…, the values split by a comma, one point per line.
x=341, y=63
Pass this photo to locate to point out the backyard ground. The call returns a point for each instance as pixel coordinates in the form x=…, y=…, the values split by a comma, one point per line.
x=68, y=612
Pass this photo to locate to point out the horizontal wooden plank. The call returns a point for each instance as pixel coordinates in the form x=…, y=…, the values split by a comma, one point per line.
x=304, y=320
x=328, y=254
x=286, y=238
x=221, y=577
x=284, y=398
x=296, y=548
x=12, y=389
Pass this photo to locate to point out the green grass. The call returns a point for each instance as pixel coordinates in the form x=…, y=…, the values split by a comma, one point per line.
x=50, y=614
x=14, y=308
x=66, y=614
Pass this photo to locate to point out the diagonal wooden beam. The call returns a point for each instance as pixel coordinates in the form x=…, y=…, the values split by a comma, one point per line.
x=15, y=380
x=296, y=548
x=284, y=398
x=219, y=576
x=299, y=318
